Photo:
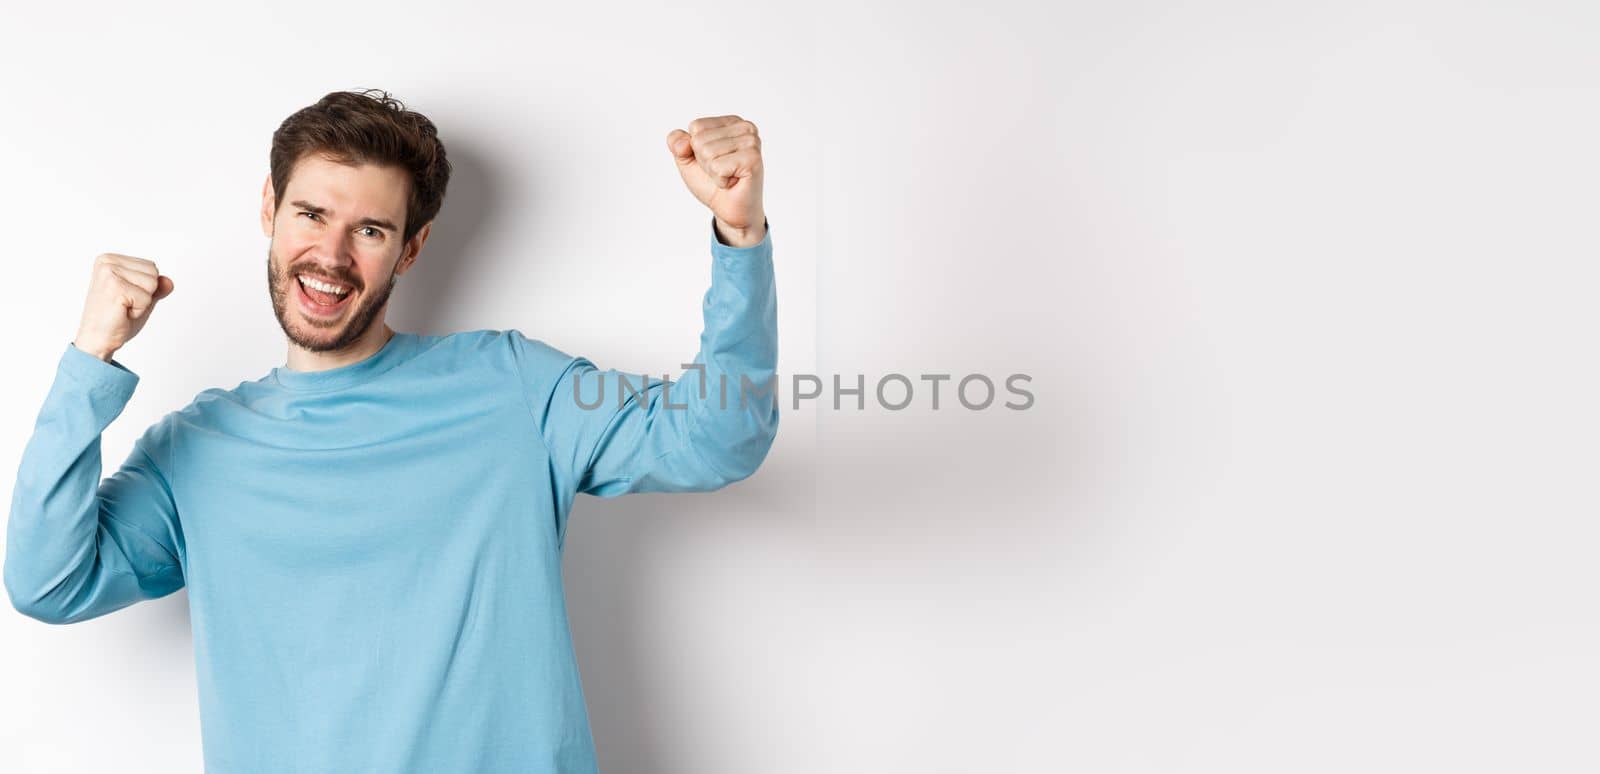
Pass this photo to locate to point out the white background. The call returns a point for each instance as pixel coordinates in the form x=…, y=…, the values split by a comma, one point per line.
x=1306, y=291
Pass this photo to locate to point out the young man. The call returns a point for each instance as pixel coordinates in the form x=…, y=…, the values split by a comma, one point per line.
x=371, y=534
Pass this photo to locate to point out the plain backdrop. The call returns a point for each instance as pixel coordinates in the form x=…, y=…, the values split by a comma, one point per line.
x=1306, y=292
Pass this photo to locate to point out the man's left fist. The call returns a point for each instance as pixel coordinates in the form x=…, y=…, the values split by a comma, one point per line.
x=720, y=160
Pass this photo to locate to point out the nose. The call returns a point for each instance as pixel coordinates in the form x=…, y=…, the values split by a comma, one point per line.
x=332, y=252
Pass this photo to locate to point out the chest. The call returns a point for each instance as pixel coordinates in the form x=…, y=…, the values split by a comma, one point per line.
x=383, y=484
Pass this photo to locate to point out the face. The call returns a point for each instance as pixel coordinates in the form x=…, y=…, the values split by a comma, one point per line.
x=339, y=225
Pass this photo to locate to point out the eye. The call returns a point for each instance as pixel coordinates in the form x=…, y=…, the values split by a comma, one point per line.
x=376, y=233
x=313, y=215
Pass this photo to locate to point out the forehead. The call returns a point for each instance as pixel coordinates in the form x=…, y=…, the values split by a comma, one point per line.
x=353, y=191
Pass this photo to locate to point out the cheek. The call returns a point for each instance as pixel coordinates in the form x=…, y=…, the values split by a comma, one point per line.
x=290, y=242
x=374, y=264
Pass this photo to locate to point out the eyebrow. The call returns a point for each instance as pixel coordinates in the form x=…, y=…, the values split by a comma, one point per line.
x=379, y=222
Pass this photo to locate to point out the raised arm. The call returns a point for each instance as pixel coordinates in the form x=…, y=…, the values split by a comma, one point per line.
x=613, y=432
x=78, y=547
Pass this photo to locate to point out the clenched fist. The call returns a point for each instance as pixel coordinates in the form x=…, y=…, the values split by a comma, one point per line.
x=122, y=291
x=720, y=160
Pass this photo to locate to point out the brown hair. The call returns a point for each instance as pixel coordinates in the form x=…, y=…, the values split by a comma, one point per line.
x=367, y=127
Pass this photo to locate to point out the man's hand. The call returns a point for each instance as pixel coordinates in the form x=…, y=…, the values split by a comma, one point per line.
x=122, y=292
x=720, y=160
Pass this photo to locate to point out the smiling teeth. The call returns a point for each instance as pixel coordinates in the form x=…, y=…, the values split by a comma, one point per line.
x=323, y=286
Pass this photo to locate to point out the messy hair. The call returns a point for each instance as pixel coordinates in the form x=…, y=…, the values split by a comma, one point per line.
x=367, y=127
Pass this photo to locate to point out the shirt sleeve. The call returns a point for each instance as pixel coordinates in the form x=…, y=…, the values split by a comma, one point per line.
x=78, y=547
x=612, y=432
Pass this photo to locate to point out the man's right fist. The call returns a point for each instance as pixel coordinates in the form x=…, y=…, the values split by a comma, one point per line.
x=122, y=291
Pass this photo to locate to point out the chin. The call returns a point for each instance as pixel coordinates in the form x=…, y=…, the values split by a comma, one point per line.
x=318, y=336
x=313, y=339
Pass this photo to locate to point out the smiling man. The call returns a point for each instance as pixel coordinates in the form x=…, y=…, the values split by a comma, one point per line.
x=371, y=533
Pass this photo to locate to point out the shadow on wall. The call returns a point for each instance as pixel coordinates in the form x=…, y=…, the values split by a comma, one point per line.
x=614, y=549
x=898, y=503
x=424, y=296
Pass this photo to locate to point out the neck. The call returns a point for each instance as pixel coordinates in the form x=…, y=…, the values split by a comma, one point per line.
x=370, y=342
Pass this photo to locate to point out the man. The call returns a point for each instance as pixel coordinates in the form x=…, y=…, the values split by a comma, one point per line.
x=371, y=534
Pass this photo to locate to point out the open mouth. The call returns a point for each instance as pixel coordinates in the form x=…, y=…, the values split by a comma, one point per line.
x=317, y=300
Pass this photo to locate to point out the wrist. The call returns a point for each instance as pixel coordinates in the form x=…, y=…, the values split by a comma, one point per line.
x=739, y=237
x=99, y=352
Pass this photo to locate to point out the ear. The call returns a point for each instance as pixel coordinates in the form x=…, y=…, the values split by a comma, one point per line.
x=268, y=207
x=413, y=249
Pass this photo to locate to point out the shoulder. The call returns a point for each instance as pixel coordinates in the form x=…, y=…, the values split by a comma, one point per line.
x=534, y=362
x=530, y=356
x=483, y=340
x=537, y=365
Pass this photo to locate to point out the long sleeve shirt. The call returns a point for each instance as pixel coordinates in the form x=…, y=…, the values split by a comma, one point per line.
x=373, y=552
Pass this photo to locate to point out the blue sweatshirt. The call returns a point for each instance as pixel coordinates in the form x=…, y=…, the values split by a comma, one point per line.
x=373, y=552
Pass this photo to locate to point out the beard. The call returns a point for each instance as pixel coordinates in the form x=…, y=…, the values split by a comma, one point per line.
x=315, y=335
